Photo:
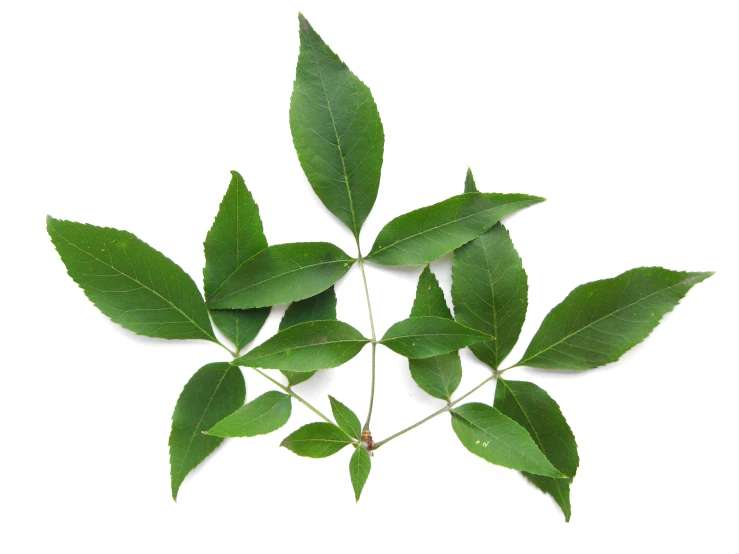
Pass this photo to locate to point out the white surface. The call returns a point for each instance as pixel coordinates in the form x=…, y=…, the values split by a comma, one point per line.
x=130, y=115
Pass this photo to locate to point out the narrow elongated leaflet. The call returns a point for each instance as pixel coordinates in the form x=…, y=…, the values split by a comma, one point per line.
x=486, y=432
x=262, y=415
x=490, y=292
x=532, y=408
x=316, y=440
x=359, y=469
x=469, y=182
x=136, y=286
x=236, y=236
x=307, y=347
x=423, y=235
x=215, y=391
x=601, y=320
x=422, y=337
x=336, y=131
x=282, y=273
x=321, y=307
x=438, y=375
x=346, y=419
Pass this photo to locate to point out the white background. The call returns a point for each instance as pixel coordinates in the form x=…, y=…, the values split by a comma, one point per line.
x=625, y=115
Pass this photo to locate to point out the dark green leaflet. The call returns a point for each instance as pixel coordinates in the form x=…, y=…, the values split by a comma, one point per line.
x=336, y=130
x=307, y=347
x=316, y=440
x=262, y=415
x=359, y=469
x=469, y=182
x=532, y=408
x=486, y=432
x=215, y=391
x=423, y=337
x=236, y=236
x=320, y=307
x=134, y=285
x=282, y=273
x=490, y=292
x=423, y=235
x=346, y=419
x=600, y=321
x=438, y=375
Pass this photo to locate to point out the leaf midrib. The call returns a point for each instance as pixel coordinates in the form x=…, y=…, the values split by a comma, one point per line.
x=206, y=333
x=430, y=229
x=540, y=352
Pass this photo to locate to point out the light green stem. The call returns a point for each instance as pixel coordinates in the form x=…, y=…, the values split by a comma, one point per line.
x=374, y=336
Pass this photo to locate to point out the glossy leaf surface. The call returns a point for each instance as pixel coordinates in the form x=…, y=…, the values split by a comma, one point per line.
x=486, y=432
x=490, y=292
x=426, y=234
x=321, y=307
x=307, y=347
x=282, y=273
x=136, y=286
x=262, y=415
x=532, y=408
x=214, y=392
x=359, y=469
x=316, y=440
x=336, y=131
x=422, y=337
x=438, y=375
x=236, y=236
x=599, y=321
x=346, y=419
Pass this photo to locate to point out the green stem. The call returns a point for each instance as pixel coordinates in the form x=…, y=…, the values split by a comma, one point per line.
x=374, y=336
x=446, y=408
x=295, y=395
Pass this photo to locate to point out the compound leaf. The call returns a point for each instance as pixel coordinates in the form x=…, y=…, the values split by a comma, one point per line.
x=134, y=285
x=262, y=415
x=495, y=437
x=599, y=321
x=336, y=131
x=423, y=235
x=423, y=337
x=214, y=392
x=489, y=292
x=531, y=407
x=307, y=347
x=359, y=469
x=346, y=419
x=316, y=440
x=282, y=273
x=440, y=375
x=236, y=236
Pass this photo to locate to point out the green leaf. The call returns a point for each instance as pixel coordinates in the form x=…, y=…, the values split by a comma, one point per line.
x=423, y=235
x=134, y=285
x=262, y=415
x=316, y=440
x=422, y=337
x=438, y=375
x=282, y=273
x=486, y=432
x=336, y=130
x=489, y=292
x=346, y=419
x=307, y=347
x=236, y=236
x=321, y=307
x=600, y=321
x=532, y=408
x=215, y=391
x=469, y=182
x=359, y=469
